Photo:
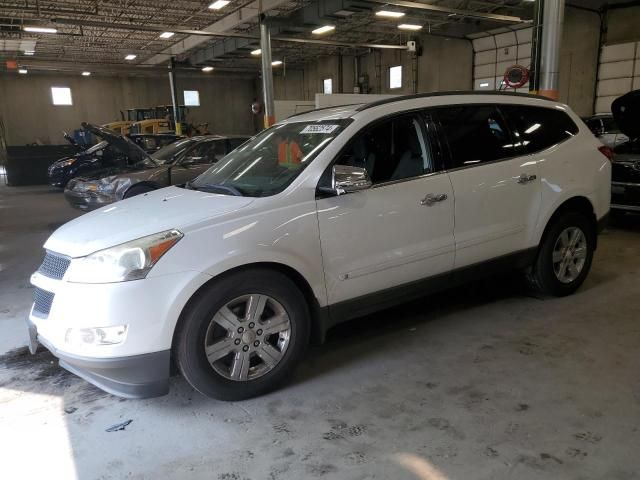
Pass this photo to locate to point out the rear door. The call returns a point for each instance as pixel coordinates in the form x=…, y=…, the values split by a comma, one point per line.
x=496, y=188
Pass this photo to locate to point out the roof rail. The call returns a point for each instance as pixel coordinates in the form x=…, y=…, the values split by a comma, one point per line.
x=323, y=108
x=442, y=94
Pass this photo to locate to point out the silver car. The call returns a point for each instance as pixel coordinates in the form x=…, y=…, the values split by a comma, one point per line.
x=174, y=164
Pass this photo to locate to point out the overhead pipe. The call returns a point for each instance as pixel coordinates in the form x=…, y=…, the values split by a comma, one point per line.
x=551, y=38
x=174, y=96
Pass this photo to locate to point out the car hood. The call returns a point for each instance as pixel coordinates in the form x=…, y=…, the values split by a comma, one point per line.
x=626, y=112
x=120, y=171
x=120, y=142
x=140, y=216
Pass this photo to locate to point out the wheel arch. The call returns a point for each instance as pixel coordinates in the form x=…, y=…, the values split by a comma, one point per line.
x=578, y=203
x=318, y=314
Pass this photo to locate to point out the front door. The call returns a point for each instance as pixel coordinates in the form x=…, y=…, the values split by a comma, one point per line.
x=398, y=231
x=195, y=161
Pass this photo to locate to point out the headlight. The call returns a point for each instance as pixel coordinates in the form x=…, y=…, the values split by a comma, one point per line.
x=129, y=261
x=66, y=163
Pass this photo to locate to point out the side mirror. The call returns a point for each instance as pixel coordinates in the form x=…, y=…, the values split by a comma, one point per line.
x=347, y=179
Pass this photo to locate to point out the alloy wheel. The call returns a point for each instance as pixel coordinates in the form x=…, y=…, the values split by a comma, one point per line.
x=569, y=254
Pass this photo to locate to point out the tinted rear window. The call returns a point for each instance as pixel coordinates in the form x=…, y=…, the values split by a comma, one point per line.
x=539, y=128
x=475, y=134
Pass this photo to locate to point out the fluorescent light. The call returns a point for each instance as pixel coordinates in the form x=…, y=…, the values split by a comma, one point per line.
x=409, y=26
x=275, y=63
x=167, y=35
x=40, y=29
x=23, y=71
x=29, y=52
x=387, y=13
x=207, y=69
x=257, y=51
x=219, y=4
x=86, y=74
x=131, y=56
x=484, y=84
x=323, y=29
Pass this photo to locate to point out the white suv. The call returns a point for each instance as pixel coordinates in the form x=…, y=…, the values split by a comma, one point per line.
x=327, y=216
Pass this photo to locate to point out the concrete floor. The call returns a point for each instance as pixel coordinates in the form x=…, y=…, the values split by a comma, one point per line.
x=484, y=382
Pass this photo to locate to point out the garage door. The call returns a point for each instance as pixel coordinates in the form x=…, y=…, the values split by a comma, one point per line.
x=618, y=73
x=495, y=52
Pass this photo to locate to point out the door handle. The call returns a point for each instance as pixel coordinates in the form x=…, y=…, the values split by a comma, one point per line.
x=524, y=178
x=432, y=198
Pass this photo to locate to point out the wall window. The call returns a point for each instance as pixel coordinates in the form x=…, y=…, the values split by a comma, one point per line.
x=327, y=86
x=191, y=98
x=395, y=77
x=61, y=96
x=475, y=134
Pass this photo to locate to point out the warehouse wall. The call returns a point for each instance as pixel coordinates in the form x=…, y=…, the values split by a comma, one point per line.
x=445, y=64
x=622, y=25
x=29, y=114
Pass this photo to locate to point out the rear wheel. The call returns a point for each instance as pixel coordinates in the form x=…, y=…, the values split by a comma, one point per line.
x=138, y=190
x=565, y=255
x=243, y=336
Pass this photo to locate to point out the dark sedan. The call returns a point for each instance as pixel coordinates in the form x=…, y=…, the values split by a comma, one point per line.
x=174, y=164
x=625, y=185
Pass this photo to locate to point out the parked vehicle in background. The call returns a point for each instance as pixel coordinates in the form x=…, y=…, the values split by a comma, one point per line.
x=625, y=184
x=174, y=164
x=606, y=129
x=152, y=142
x=112, y=151
x=326, y=216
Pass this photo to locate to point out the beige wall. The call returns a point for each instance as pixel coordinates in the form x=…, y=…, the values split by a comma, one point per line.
x=28, y=112
x=579, y=59
x=445, y=64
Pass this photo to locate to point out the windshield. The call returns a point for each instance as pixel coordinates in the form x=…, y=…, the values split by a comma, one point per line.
x=96, y=147
x=270, y=161
x=171, y=152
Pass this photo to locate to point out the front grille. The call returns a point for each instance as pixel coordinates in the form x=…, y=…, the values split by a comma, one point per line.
x=42, y=301
x=54, y=265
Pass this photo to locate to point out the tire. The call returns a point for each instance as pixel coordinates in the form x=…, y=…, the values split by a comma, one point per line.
x=203, y=334
x=547, y=275
x=138, y=190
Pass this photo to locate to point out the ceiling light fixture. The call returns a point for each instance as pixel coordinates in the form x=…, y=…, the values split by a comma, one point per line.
x=22, y=71
x=131, y=56
x=86, y=74
x=256, y=52
x=275, y=63
x=323, y=29
x=167, y=35
x=219, y=4
x=207, y=69
x=389, y=14
x=29, y=52
x=40, y=29
x=409, y=26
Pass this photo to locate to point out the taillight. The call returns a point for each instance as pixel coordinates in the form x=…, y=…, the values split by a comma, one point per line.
x=607, y=152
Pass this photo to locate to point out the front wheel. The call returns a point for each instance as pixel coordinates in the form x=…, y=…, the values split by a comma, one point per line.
x=243, y=335
x=565, y=255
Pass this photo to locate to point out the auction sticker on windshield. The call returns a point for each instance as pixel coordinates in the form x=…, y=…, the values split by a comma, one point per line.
x=319, y=129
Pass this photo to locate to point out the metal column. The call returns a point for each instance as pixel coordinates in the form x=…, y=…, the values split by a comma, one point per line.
x=174, y=96
x=267, y=73
x=547, y=38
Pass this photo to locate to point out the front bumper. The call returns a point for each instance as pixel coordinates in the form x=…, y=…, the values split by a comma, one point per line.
x=87, y=200
x=136, y=376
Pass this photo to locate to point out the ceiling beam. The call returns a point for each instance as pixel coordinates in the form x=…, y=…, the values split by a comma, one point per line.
x=452, y=11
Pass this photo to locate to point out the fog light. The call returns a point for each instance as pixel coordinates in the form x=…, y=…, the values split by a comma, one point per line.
x=96, y=336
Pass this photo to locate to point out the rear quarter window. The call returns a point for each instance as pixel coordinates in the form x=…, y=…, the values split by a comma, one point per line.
x=539, y=128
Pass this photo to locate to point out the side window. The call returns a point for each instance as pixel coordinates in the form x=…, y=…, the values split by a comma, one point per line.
x=235, y=143
x=218, y=150
x=475, y=134
x=201, y=153
x=390, y=150
x=539, y=128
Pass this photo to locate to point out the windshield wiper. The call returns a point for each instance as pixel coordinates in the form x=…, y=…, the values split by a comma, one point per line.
x=214, y=188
